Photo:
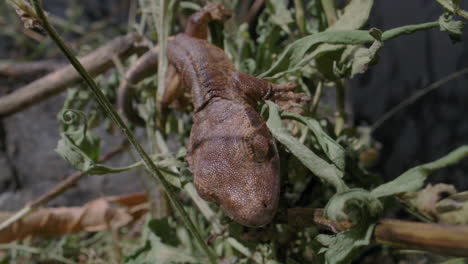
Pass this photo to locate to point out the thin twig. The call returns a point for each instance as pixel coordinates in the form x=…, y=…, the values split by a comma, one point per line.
x=71, y=180
x=30, y=68
x=316, y=99
x=443, y=239
x=330, y=11
x=300, y=17
x=253, y=11
x=66, y=184
x=340, y=114
x=107, y=106
x=416, y=97
x=449, y=240
x=97, y=62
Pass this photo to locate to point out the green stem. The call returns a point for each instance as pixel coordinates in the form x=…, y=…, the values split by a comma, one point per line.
x=340, y=115
x=297, y=54
x=330, y=11
x=450, y=159
x=104, y=103
x=454, y=7
x=300, y=19
x=316, y=99
x=409, y=29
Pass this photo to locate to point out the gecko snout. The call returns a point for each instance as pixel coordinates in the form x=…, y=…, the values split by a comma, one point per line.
x=262, y=214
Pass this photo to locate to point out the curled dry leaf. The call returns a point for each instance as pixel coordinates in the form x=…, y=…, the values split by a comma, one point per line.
x=99, y=214
x=425, y=200
x=26, y=13
x=453, y=209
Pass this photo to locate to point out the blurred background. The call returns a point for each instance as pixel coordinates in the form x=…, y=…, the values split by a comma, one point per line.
x=421, y=132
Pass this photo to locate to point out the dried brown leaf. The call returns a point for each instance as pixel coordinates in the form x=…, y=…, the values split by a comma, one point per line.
x=103, y=213
x=26, y=13
x=453, y=209
x=426, y=199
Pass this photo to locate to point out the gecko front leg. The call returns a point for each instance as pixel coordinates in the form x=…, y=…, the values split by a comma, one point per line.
x=253, y=90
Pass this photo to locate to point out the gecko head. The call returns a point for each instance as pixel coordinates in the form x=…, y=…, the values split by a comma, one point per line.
x=236, y=165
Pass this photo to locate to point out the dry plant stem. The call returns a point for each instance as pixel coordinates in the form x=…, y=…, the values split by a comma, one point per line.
x=442, y=239
x=449, y=240
x=31, y=68
x=66, y=184
x=104, y=102
x=54, y=83
x=305, y=217
x=418, y=95
x=316, y=99
x=253, y=11
x=71, y=180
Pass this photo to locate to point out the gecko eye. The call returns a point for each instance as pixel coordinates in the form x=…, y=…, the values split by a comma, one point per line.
x=259, y=145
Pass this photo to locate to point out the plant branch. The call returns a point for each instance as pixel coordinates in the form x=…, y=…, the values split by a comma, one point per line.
x=30, y=68
x=340, y=114
x=449, y=240
x=66, y=184
x=330, y=11
x=443, y=239
x=409, y=29
x=96, y=63
x=104, y=102
x=253, y=11
x=316, y=99
x=300, y=17
x=417, y=96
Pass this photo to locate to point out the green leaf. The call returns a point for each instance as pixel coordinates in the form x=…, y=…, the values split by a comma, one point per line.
x=355, y=205
x=454, y=7
x=162, y=229
x=344, y=246
x=80, y=160
x=81, y=149
x=280, y=14
x=156, y=251
x=413, y=179
x=355, y=16
x=324, y=170
x=452, y=27
x=334, y=151
x=295, y=52
x=361, y=58
x=266, y=46
x=76, y=129
x=76, y=145
x=73, y=154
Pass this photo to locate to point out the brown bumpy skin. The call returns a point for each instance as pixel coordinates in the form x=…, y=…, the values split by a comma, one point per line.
x=232, y=154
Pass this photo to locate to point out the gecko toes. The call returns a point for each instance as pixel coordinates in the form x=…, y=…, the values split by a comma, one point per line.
x=218, y=11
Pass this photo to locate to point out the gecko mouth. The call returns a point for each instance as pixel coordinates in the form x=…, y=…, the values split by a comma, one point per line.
x=255, y=214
